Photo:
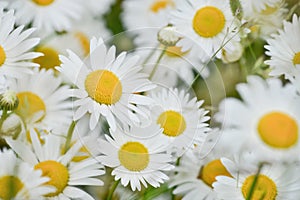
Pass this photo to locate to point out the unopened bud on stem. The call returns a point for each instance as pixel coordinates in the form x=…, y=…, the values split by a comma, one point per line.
x=8, y=100
x=168, y=36
x=11, y=126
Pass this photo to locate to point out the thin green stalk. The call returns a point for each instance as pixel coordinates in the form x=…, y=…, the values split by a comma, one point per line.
x=157, y=62
x=112, y=190
x=292, y=11
x=252, y=189
x=252, y=52
x=214, y=55
x=151, y=193
x=69, y=135
x=150, y=55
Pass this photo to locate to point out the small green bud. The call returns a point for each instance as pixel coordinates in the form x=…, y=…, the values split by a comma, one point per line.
x=9, y=100
x=168, y=36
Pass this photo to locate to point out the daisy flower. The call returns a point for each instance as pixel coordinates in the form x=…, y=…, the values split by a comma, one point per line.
x=195, y=175
x=97, y=7
x=266, y=21
x=14, y=47
x=43, y=102
x=205, y=23
x=284, y=50
x=266, y=121
x=136, y=156
x=258, y=5
x=107, y=86
x=48, y=15
x=76, y=39
x=145, y=18
x=181, y=118
x=276, y=181
x=20, y=181
x=64, y=174
x=175, y=65
x=83, y=31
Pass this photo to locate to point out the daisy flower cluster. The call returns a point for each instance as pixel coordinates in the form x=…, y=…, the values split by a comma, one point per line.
x=152, y=99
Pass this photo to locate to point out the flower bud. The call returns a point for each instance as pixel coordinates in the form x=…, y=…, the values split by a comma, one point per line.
x=9, y=100
x=168, y=36
x=11, y=126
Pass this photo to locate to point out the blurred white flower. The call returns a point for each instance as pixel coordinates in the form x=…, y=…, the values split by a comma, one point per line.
x=19, y=180
x=284, y=50
x=15, y=44
x=266, y=121
x=43, y=102
x=275, y=181
x=55, y=162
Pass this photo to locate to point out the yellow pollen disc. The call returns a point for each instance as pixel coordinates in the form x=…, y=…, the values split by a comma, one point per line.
x=208, y=21
x=29, y=105
x=175, y=51
x=211, y=170
x=160, y=5
x=134, y=156
x=269, y=10
x=265, y=188
x=84, y=154
x=49, y=60
x=172, y=122
x=104, y=87
x=296, y=59
x=84, y=42
x=43, y=2
x=9, y=187
x=278, y=130
x=2, y=56
x=57, y=173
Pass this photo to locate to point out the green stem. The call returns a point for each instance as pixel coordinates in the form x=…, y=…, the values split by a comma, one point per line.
x=150, y=55
x=252, y=189
x=112, y=190
x=69, y=135
x=151, y=193
x=157, y=62
x=292, y=11
x=224, y=42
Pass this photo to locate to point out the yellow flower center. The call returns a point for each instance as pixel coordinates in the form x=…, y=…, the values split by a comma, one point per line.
x=296, y=59
x=265, y=188
x=57, y=173
x=211, y=170
x=160, y=5
x=104, y=87
x=2, y=56
x=134, y=156
x=174, y=51
x=49, y=60
x=209, y=21
x=269, y=10
x=84, y=42
x=30, y=105
x=172, y=122
x=83, y=154
x=278, y=130
x=43, y=2
x=9, y=187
